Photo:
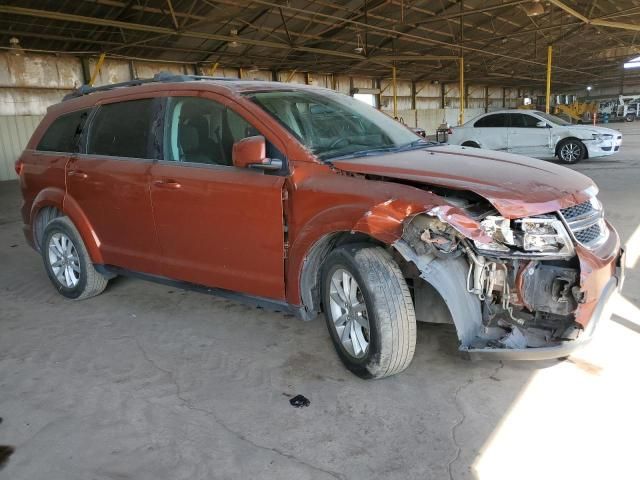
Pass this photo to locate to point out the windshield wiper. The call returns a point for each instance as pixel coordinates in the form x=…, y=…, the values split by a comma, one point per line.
x=375, y=151
x=421, y=142
x=362, y=153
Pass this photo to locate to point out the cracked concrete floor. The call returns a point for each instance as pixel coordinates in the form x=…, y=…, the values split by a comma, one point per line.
x=149, y=382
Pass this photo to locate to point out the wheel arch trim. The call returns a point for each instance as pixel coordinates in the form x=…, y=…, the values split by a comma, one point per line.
x=72, y=209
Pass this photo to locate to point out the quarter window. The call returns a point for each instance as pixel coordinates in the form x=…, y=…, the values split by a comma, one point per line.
x=63, y=134
x=123, y=130
x=492, y=121
x=202, y=131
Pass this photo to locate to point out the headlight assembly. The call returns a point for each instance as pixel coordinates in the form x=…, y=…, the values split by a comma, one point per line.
x=601, y=137
x=534, y=235
x=545, y=235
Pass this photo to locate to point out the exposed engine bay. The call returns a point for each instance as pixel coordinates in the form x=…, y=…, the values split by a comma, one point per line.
x=519, y=291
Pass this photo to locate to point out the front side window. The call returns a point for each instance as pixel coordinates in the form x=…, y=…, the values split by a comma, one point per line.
x=123, y=129
x=553, y=119
x=521, y=120
x=198, y=130
x=63, y=134
x=495, y=120
x=331, y=125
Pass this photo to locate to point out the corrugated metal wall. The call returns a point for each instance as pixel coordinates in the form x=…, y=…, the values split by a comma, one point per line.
x=30, y=83
x=15, y=132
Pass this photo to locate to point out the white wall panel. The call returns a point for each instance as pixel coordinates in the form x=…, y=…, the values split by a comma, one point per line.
x=27, y=101
x=15, y=132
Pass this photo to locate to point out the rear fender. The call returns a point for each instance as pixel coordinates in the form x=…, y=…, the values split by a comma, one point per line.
x=49, y=197
x=88, y=234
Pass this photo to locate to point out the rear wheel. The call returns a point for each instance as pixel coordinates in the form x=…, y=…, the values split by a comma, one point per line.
x=571, y=150
x=630, y=117
x=471, y=144
x=67, y=262
x=369, y=311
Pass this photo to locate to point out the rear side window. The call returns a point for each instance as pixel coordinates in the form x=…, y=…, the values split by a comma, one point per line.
x=123, y=130
x=63, y=134
x=492, y=121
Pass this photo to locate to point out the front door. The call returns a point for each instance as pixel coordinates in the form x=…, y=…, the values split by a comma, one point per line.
x=526, y=138
x=109, y=180
x=218, y=225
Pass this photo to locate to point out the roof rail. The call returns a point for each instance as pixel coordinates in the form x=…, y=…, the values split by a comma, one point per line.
x=157, y=78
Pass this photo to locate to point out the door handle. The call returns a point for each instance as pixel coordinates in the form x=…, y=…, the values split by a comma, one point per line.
x=78, y=173
x=172, y=184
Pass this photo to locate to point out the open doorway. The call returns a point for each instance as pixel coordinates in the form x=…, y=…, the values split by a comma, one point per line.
x=368, y=98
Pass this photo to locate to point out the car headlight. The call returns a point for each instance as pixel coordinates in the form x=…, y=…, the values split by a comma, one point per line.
x=533, y=235
x=599, y=137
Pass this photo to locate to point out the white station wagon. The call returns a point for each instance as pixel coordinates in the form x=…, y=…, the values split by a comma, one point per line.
x=536, y=134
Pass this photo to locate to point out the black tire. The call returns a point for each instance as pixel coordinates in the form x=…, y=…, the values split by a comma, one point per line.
x=389, y=310
x=42, y=220
x=89, y=282
x=630, y=117
x=470, y=144
x=571, y=150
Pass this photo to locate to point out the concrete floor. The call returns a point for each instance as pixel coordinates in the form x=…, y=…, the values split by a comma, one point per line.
x=149, y=382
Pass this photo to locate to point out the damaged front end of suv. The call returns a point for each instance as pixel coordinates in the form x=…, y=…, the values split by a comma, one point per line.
x=516, y=288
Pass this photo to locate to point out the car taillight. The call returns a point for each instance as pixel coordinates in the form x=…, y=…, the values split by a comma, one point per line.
x=19, y=166
x=450, y=131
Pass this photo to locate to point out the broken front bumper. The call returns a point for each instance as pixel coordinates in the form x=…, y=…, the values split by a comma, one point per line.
x=565, y=348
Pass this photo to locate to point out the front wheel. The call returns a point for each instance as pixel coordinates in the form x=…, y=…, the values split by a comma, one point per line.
x=571, y=151
x=369, y=311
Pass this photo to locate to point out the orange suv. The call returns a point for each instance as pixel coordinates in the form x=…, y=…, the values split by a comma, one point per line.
x=308, y=201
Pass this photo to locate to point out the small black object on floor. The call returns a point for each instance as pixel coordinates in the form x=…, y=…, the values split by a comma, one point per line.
x=300, y=401
x=5, y=452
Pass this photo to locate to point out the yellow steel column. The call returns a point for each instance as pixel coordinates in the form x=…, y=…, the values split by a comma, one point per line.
x=395, y=92
x=95, y=73
x=461, y=87
x=549, y=53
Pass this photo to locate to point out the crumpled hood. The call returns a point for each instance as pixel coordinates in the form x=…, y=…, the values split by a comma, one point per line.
x=517, y=186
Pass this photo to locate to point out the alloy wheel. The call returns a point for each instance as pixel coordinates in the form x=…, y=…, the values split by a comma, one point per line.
x=64, y=260
x=570, y=152
x=349, y=313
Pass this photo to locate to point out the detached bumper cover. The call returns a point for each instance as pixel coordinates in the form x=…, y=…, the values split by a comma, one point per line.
x=561, y=349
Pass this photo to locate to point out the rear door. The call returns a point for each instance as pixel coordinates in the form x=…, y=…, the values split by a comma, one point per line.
x=218, y=225
x=526, y=138
x=109, y=181
x=44, y=167
x=491, y=130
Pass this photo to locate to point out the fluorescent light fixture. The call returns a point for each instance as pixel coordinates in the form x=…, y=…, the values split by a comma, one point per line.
x=634, y=63
x=534, y=8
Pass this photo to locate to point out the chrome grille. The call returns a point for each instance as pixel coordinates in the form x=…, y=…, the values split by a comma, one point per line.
x=589, y=234
x=585, y=221
x=577, y=210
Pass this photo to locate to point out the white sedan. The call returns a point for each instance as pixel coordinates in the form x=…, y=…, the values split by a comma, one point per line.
x=536, y=134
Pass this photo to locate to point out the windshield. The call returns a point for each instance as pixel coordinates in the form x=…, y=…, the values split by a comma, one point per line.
x=554, y=119
x=333, y=125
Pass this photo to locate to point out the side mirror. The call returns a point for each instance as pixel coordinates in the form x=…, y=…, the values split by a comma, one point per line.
x=250, y=152
x=541, y=124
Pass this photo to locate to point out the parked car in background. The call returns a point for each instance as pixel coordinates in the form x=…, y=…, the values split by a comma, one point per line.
x=307, y=201
x=536, y=134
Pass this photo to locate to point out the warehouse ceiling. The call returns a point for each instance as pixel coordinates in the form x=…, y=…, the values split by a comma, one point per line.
x=502, y=41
